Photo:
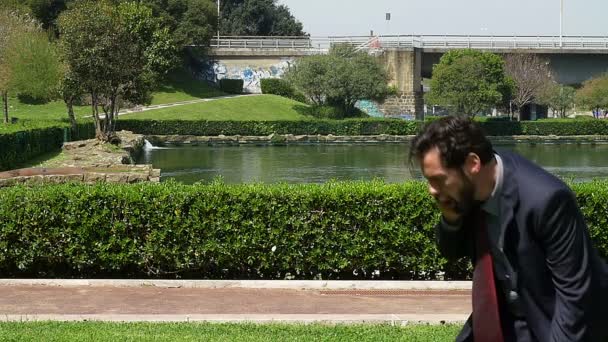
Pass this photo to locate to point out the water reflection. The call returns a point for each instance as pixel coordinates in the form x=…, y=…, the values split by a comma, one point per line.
x=323, y=162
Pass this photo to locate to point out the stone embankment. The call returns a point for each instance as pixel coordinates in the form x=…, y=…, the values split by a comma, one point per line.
x=382, y=138
x=273, y=139
x=90, y=161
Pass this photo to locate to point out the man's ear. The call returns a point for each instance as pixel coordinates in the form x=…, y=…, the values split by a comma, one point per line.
x=472, y=164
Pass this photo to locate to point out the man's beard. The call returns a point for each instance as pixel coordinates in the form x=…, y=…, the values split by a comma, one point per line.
x=467, y=202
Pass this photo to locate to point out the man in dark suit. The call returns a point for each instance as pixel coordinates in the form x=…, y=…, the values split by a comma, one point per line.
x=537, y=276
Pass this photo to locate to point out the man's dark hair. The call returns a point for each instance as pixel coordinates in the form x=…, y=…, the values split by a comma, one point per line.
x=455, y=137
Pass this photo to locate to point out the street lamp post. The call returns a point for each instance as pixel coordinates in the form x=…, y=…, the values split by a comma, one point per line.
x=561, y=22
x=218, y=23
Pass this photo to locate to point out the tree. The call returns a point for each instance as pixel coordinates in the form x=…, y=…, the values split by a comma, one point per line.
x=310, y=77
x=115, y=52
x=70, y=90
x=14, y=22
x=192, y=22
x=258, y=18
x=469, y=82
x=594, y=93
x=34, y=65
x=340, y=78
x=354, y=76
x=531, y=75
x=47, y=12
x=558, y=97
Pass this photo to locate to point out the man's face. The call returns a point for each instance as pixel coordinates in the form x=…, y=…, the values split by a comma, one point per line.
x=450, y=187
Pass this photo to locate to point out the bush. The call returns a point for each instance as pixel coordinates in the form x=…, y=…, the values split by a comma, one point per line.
x=25, y=144
x=231, y=86
x=560, y=127
x=277, y=86
x=217, y=231
x=332, y=231
x=213, y=128
x=21, y=146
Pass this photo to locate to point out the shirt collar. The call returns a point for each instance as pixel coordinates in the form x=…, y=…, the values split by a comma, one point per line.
x=491, y=205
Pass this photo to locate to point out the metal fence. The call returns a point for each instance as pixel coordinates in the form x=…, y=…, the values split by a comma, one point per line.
x=417, y=41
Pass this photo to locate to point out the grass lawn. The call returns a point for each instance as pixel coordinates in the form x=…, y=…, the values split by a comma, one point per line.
x=96, y=331
x=259, y=107
x=179, y=86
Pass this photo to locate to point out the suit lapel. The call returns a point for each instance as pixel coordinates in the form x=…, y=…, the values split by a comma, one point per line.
x=508, y=198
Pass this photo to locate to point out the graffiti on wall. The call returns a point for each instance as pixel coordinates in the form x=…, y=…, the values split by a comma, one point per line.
x=250, y=73
x=371, y=108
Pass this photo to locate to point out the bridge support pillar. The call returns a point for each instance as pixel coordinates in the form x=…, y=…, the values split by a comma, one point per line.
x=404, y=68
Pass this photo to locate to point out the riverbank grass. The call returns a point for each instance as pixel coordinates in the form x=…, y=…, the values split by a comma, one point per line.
x=97, y=331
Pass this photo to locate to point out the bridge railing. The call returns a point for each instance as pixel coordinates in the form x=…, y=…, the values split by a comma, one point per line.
x=417, y=41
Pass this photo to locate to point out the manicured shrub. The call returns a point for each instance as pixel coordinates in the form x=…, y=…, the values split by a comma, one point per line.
x=276, y=86
x=231, y=86
x=353, y=230
x=324, y=127
x=356, y=126
x=22, y=145
x=281, y=87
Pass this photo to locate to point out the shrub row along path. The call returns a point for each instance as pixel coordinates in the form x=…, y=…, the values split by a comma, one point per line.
x=227, y=302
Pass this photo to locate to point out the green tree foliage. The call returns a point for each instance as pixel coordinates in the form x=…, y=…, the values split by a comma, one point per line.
x=340, y=78
x=35, y=66
x=558, y=97
x=258, y=18
x=192, y=22
x=14, y=24
x=47, y=12
x=469, y=81
x=310, y=77
x=116, y=53
x=70, y=91
x=594, y=93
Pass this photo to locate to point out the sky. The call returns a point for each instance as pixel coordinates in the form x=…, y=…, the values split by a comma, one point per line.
x=467, y=17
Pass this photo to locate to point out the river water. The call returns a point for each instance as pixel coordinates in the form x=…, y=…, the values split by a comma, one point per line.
x=318, y=163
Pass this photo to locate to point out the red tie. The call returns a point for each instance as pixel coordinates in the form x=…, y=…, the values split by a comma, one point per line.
x=486, y=319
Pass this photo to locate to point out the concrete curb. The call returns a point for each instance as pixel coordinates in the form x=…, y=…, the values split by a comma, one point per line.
x=401, y=319
x=248, y=284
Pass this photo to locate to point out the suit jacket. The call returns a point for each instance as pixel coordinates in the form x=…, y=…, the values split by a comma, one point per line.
x=562, y=283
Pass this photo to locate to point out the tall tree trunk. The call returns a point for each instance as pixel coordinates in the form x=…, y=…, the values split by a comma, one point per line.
x=5, y=105
x=70, y=104
x=95, y=111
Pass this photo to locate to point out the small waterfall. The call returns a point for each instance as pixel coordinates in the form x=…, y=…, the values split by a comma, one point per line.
x=148, y=145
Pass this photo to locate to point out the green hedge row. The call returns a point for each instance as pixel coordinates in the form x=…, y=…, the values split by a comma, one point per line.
x=21, y=146
x=546, y=127
x=354, y=230
x=365, y=126
x=335, y=127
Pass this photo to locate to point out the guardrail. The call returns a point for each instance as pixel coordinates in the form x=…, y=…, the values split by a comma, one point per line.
x=417, y=41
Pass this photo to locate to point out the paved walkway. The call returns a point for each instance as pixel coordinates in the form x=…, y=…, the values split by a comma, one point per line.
x=139, y=109
x=153, y=303
x=181, y=103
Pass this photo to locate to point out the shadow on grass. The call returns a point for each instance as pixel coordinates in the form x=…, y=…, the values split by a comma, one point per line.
x=304, y=110
x=26, y=99
x=328, y=112
x=41, y=160
x=182, y=81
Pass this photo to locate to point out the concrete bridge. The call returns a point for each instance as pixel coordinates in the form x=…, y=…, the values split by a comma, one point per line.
x=408, y=58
